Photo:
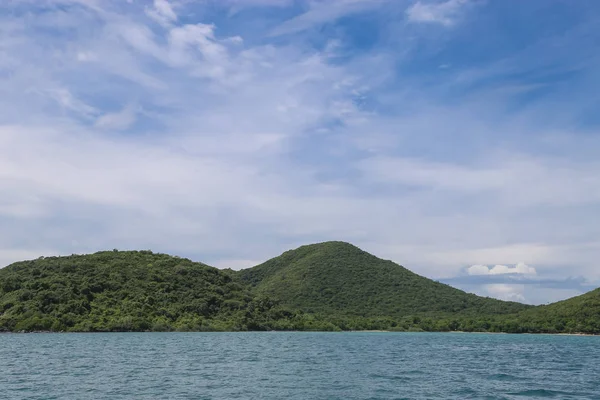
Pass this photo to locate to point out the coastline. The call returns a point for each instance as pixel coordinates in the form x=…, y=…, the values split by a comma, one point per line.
x=295, y=331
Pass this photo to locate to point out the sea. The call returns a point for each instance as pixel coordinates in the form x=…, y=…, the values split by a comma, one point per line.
x=298, y=365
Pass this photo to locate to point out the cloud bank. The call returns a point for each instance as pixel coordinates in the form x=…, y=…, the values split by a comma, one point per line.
x=520, y=268
x=229, y=132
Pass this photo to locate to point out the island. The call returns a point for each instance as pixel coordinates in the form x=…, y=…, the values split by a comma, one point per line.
x=330, y=286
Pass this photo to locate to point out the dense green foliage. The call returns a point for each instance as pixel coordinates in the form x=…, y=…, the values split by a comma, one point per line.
x=337, y=278
x=579, y=314
x=327, y=286
x=128, y=291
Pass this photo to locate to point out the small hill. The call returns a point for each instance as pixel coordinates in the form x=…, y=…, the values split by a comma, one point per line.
x=337, y=278
x=579, y=314
x=125, y=291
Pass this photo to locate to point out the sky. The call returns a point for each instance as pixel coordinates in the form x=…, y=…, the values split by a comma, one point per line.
x=458, y=138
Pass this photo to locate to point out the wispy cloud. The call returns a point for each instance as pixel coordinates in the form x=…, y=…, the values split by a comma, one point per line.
x=165, y=125
x=445, y=13
x=320, y=12
x=216, y=157
x=162, y=12
x=119, y=120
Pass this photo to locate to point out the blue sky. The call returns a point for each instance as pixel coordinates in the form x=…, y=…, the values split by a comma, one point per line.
x=458, y=138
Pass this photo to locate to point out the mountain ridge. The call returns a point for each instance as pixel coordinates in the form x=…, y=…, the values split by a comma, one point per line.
x=322, y=286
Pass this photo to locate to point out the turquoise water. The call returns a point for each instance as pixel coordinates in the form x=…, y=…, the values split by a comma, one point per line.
x=298, y=366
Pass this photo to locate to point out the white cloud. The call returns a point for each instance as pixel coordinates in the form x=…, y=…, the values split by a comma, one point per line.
x=236, y=6
x=162, y=12
x=444, y=13
x=506, y=292
x=478, y=270
x=191, y=46
x=199, y=37
x=118, y=120
x=520, y=268
x=321, y=12
x=69, y=102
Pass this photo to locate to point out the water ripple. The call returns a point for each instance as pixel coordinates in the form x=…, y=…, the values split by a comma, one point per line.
x=298, y=366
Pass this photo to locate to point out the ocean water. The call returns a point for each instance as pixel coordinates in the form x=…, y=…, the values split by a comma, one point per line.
x=276, y=365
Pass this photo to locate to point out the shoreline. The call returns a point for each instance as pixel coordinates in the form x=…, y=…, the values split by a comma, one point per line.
x=349, y=331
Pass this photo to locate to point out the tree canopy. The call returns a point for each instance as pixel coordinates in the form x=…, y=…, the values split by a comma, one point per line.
x=325, y=286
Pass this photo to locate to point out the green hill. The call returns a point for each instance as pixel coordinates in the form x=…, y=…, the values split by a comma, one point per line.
x=579, y=314
x=127, y=291
x=326, y=286
x=337, y=278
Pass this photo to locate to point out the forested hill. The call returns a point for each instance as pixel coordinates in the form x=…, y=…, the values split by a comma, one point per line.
x=326, y=286
x=337, y=278
x=577, y=314
x=127, y=291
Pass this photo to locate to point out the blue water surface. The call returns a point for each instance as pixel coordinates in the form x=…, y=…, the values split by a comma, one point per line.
x=296, y=365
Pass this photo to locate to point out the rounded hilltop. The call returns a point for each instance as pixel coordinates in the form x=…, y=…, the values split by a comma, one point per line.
x=338, y=277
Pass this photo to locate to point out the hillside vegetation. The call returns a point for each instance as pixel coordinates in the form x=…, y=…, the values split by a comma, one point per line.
x=127, y=291
x=337, y=278
x=579, y=314
x=325, y=286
